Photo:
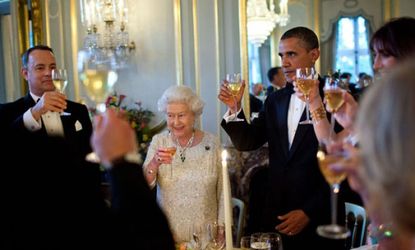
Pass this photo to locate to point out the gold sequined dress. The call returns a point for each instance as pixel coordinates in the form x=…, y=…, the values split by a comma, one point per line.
x=190, y=191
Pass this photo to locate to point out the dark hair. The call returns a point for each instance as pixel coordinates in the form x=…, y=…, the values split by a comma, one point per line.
x=345, y=75
x=396, y=37
x=272, y=72
x=25, y=56
x=307, y=36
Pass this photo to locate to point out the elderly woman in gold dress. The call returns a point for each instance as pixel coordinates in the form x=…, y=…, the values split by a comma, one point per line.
x=184, y=164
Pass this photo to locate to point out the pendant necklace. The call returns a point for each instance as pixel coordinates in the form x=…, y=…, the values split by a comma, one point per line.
x=182, y=150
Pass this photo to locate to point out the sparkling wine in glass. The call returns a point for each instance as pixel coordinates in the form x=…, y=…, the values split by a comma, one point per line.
x=172, y=151
x=234, y=84
x=328, y=154
x=334, y=98
x=305, y=81
x=60, y=80
x=98, y=74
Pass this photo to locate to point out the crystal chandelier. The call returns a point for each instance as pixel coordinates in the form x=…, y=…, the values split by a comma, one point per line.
x=262, y=21
x=105, y=22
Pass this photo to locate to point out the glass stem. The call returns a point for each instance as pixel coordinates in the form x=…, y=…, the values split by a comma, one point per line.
x=334, y=191
x=307, y=106
x=332, y=121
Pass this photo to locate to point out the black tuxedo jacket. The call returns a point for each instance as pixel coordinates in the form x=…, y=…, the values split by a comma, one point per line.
x=294, y=179
x=77, y=126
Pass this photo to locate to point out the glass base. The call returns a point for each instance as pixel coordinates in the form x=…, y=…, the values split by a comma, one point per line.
x=333, y=231
x=306, y=122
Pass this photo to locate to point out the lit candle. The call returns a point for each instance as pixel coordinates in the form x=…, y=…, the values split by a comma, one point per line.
x=227, y=202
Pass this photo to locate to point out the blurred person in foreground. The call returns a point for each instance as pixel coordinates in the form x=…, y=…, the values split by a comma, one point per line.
x=189, y=178
x=383, y=168
x=53, y=204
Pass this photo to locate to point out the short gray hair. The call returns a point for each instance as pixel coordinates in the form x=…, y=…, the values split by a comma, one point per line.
x=387, y=137
x=181, y=94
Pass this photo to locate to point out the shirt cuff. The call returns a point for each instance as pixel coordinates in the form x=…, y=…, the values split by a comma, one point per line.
x=30, y=123
x=228, y=117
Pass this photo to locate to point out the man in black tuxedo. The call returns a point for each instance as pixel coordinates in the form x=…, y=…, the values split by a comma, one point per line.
x=40, y=110
x=298, y=197
x=56, y=204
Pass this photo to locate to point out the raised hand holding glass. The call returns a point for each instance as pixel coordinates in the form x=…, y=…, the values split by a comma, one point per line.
x=305, y=80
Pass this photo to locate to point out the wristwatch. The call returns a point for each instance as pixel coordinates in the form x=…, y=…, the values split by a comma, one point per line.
x=131, y=157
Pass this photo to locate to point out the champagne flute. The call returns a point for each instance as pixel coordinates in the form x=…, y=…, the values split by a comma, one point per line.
x=334, y=99
x=172, y=151
x=305, y=82
x=97, y=72
x=234, y=85
x=60, y=80
x=331, y=152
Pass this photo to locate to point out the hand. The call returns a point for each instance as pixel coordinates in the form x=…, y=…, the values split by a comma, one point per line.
x=346, y=114
x=163, y=156
x=50, y=101
x=113, y=137
x=351, y=166
x=293, y=222
x=227, y=98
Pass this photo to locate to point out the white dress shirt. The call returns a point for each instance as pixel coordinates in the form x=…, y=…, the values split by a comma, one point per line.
x=295, y=110
x=51, y=120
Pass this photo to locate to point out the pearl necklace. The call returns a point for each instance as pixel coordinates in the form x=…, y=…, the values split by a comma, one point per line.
x=182, y=150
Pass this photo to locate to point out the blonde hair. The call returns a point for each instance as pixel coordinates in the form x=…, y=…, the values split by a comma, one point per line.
x=181, y=94
x=386, y=125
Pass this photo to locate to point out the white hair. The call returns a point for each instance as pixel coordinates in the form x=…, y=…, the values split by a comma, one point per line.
x=181, y=94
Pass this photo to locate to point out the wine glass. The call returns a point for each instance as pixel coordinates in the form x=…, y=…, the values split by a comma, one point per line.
x=258, y=241
x=245, y=242
x=330, y=152
x=60, y=80
x=274, y=239
x=216, y=236
x=172, y=151
x=97, y=72
x=334, y=98
x=305, y=82
x=234, y=84
x=196, y=236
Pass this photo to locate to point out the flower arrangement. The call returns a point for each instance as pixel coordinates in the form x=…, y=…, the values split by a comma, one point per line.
x=138, y=117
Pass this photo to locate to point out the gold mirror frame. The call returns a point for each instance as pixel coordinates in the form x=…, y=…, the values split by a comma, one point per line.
x=243, y=36
x=24, y=25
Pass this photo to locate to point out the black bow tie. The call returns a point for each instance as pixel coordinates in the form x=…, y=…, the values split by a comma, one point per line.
x=289, y=88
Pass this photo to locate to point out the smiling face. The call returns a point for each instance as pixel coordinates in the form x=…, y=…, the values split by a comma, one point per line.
x=294, y=54
x=38, y=72
x=180, y=120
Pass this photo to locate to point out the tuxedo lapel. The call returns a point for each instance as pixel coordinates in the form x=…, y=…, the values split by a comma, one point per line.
x=67, y=123
x=282, y=116
x=302, y=130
